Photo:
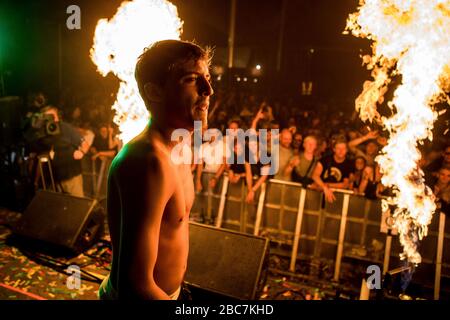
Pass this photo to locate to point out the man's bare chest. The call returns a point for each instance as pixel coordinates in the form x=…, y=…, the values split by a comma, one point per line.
x=181, y=202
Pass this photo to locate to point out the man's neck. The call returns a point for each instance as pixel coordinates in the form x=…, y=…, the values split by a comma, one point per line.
x=308, y=155
x=338, y=160
x=164, y=134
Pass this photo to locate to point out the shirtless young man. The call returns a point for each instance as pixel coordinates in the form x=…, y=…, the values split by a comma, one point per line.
x=149, y=196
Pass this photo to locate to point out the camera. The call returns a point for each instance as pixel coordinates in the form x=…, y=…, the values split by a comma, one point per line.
x=41, y=126
x=45, y=123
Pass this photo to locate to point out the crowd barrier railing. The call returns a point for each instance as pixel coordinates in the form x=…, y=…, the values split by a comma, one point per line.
x=95, y=176
x=287, y=213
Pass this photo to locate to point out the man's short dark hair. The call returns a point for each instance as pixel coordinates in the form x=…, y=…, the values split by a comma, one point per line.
x=158, y=60
x=338, y=140
x=234, y=120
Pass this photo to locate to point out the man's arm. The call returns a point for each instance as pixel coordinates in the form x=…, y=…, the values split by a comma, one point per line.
x=369, y=136
x=329, y=196
x=367, y=173
x=107, y=154
x=213, y=180
x=232, y=176
x=76, y=139
x=113, y=142
x=249, y=179
x=293, y=162
x=258, y=116
x=353, y=144
x=146, y=202
x=81, y=151
x=259, y=182
x=344, y=184
x=198, y=176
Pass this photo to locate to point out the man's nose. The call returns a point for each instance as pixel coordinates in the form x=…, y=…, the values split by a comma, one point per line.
x=206, y=88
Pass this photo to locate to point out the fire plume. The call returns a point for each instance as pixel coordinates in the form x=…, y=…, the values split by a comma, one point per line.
x=411, y=40
x=119, y=41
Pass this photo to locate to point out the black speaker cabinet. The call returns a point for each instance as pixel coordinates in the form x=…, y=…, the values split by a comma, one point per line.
x=227, y=263
x=62, y=220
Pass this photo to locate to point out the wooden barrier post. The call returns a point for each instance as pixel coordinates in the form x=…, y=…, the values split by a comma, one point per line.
x=223, y=196
x=440, y=247
x=340, y=248
x=260, y=208
x=298, y=228
x=387, y=251
x=209, y=201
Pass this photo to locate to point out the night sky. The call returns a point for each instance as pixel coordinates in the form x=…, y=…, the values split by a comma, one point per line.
x=29, y=43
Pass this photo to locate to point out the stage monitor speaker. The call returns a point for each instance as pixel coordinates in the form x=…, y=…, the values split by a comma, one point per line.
x=65, y=221
x=225, y=262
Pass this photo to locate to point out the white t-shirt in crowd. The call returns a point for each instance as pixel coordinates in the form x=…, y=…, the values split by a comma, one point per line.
x=212, y=154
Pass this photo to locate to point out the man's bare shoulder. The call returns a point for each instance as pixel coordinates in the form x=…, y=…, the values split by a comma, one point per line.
x=138, y=158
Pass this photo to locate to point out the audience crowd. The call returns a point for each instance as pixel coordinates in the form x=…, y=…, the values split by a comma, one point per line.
x=321, y=146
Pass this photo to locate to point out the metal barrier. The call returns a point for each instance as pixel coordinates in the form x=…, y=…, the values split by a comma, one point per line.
x=234, y=212
x=287, y=216
x=45, y=159
x=95, y=176
x=207, y=201
x=350, y=227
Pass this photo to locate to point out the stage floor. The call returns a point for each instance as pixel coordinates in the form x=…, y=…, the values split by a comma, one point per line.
x=28, y=275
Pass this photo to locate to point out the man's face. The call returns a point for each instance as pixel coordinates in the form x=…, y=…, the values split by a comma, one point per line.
x=187, y=94
x=444, y=176
x=286, y=139
x=360, y=164
x=233, y=127
x=447, y=155
x=104, y=132
x=340, y=150
x=353, y=135
x=372, y=149
x=310, y=145
x=297, y=142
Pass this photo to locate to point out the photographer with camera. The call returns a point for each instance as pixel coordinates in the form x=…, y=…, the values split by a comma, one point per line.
x=65, y=146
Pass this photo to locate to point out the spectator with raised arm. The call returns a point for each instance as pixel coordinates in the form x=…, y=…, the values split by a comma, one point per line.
x=254, y=169
x=284, y=155
x=371, y=148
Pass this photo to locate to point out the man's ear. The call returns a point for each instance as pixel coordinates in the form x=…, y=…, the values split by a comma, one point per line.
x=153, y=92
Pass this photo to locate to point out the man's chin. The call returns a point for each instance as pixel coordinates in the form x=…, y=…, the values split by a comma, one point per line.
x=203, y=117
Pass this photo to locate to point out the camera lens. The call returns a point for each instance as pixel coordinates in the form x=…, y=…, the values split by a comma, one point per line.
x=51, y=127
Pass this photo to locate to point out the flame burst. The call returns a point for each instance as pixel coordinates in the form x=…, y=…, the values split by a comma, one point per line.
x=411, y=39
x=118, y=42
